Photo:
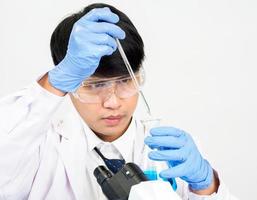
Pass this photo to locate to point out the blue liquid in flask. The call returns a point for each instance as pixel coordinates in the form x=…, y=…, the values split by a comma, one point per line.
x=151, y=174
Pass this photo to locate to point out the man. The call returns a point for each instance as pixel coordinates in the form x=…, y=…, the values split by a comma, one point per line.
x=46, y=159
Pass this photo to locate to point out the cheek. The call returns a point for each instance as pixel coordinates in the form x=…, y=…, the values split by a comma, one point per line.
x=89, y=112
x=131, y=103
x=86, y=111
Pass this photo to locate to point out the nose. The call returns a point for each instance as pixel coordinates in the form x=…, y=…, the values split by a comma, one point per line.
x=112, y=102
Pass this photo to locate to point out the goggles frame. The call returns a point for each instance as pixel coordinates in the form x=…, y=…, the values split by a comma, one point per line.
x=100, y=87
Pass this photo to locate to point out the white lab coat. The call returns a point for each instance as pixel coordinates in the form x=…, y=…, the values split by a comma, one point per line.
x=43, y=156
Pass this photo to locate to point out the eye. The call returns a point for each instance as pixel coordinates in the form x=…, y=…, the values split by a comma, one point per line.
x=127, y=80
x=99, y=85
x=93, y=86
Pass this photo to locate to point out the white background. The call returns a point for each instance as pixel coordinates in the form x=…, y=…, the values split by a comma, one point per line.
x=200, y=64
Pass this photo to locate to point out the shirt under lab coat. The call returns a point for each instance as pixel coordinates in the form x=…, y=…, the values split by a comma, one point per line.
x=48, y=154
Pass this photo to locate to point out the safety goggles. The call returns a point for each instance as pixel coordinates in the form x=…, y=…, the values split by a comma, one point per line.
x=96, y=90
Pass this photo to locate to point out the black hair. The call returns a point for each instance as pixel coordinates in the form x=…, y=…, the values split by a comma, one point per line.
x=109, y=66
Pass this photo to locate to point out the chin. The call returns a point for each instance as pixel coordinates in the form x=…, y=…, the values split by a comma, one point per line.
x=110, y=133
x=115, y=130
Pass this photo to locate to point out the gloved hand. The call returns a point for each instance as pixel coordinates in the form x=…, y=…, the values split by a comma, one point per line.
x=179, y=150
x=92, y=37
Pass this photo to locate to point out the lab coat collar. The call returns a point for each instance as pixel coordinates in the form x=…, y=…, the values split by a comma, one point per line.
x=92, y=139
x=66, y=119
x=124, y=144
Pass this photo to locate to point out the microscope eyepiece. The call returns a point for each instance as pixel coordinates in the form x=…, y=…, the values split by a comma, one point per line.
x=117, y=186
x=102, y=173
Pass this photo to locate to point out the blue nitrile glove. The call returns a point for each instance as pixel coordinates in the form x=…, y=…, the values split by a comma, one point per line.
x=92, y=37
x=179, y=150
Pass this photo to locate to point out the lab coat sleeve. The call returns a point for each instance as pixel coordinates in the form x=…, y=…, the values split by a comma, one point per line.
x=222, y=194
x=24, y=120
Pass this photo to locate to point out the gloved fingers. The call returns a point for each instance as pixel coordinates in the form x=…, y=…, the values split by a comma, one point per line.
x=165, y=142
x=102, y=50
x=105, y=27
x=84, y=40
x=169, y=155
x=166, y=131
x=180, y=170
x=91, y=28
x=100, y=14
x=189, y=169
x=82, y=37
x=104, y=39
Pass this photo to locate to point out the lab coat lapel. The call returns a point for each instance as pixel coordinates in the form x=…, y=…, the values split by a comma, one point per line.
x=72, y=150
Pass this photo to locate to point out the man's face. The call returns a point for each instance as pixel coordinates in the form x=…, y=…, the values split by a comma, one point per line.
x=109, y=118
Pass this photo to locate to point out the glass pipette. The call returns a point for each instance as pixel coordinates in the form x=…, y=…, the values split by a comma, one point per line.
x=148, y=167
x=151, y=171
x=131, y=73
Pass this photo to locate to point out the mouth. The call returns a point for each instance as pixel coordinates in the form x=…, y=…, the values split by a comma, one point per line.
x=113, y=120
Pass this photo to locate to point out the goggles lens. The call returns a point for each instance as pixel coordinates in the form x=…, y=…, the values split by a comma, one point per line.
x=99, y=90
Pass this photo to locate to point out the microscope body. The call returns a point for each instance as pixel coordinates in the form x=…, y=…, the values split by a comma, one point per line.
x=117, y=186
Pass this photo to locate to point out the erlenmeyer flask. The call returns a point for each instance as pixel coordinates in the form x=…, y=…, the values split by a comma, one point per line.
x=149, y=166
